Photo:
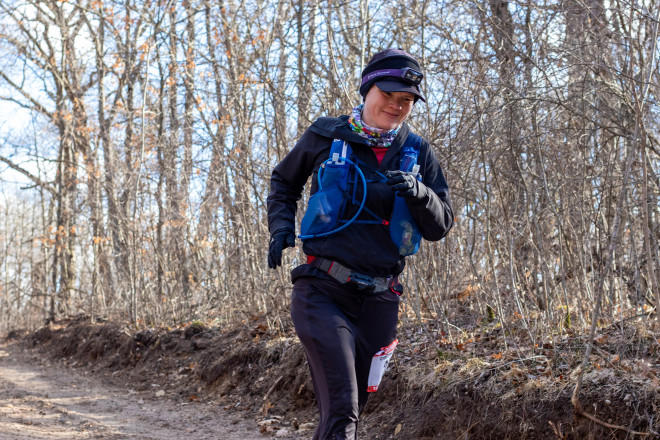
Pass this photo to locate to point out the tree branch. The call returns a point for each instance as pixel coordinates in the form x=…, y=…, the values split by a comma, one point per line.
x=45, y=185
x=37, y=106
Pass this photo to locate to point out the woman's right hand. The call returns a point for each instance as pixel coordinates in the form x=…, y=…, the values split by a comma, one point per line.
x=279, y=241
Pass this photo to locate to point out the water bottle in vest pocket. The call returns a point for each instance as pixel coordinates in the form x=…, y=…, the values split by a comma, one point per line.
x=324, y=207
x=403, y=229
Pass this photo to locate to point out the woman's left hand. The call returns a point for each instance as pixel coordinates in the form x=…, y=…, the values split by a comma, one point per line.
x=405, y=184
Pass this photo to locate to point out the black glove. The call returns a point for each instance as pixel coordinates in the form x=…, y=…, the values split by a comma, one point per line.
x=405, y=184
x=278, y=242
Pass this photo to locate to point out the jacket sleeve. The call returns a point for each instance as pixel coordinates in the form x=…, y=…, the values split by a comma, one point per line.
x=288, y=181
x=433, y=212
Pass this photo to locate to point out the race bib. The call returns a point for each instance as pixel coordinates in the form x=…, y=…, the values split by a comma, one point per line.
x=379, y=365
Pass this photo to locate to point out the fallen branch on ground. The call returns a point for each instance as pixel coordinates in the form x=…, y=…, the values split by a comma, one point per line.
x=578, y=409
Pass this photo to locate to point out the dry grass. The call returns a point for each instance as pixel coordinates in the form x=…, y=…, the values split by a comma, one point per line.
x=479, y=386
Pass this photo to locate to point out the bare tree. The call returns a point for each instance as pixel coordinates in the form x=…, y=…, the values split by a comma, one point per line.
x=164, y=120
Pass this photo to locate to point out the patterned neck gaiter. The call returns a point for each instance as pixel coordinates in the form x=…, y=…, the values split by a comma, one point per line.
x=375, y=137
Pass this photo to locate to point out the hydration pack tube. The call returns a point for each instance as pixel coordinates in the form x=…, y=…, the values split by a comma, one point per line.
x=324, y=207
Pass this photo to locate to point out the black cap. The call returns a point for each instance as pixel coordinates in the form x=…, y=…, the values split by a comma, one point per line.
x=397, y=60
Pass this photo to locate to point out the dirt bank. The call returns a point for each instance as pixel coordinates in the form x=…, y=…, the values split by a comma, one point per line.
x=484, y=386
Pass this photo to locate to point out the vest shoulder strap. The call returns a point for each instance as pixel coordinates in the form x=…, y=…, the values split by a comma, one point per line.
x=413, y=141
x=341, y=149
x=410, y=152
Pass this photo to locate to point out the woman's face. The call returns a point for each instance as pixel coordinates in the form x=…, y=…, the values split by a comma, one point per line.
x=386, y=110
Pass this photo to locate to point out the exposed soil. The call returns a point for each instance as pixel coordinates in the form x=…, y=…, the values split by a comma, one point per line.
x=197, y=382
x=44, y=400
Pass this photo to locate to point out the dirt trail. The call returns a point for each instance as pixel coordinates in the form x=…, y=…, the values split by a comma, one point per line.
x=42, y=400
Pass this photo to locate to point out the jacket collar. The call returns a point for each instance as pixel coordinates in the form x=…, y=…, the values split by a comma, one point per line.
x=338, y=128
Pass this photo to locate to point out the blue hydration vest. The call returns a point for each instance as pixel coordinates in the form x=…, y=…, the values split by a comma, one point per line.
x=325, y=208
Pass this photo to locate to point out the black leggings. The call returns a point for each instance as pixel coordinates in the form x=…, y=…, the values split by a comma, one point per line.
x=341, y=329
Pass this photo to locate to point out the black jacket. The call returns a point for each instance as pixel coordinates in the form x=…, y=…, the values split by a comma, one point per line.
x=366, y=248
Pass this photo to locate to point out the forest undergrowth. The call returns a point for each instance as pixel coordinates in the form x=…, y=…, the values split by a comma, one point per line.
x=486, y=383
x=138, y=144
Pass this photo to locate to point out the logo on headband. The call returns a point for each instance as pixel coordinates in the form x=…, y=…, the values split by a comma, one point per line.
x=406, y=74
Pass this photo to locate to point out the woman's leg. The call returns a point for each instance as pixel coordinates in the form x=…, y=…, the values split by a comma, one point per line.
x=341, y=329
x=329, y=342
